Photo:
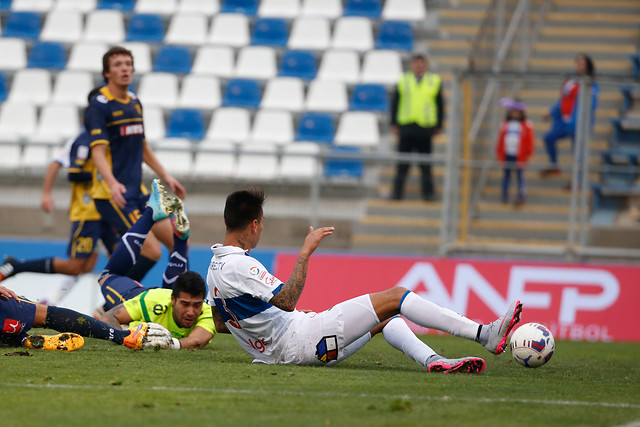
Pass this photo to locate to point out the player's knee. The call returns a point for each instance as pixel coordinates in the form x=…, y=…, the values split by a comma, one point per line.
x=395, y=294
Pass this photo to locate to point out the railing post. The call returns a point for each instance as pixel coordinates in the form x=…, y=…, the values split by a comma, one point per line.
x=583, y=152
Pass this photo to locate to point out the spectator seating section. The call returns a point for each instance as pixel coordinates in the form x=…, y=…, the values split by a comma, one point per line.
x=83, y=6
x=245, y=7
x=3, y=87
x=57, y=124
x=14, y=54
x=367, y=8
x=104, y=26
x=63, y=26
x=214, y=60
x=39, y=6
x=154, y=125
x=395, y=35
x=230, y=30
x=288, y=9
x=121, y=5
x=326, y=95
x=87, y=56
x=162, y=7
x=272, y=127
x=72, y=87
x=229, y=124
x=256, y=62
x=242, y=93
x=173, y=59
x=299, y=161
x=340, y=65
x=344, y=168
x=257, y=162
x=404, y=10
x=316, y=127
x=159, y=89
x=17, y=121
x=215, y=164
x=284, y=93
x=31, y=86
x=200, y=91
x=330, y=9
x=204, y=7
x=357, y=129
x=142, y=56
x=353, y=33
x=311, y=33
x=369, y=97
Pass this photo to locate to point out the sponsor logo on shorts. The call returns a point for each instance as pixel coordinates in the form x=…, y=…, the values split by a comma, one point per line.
x=11, y=326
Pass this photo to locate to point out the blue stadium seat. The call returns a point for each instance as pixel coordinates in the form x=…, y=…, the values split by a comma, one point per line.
x=186, y=124
x=24, y=25
x=145, y=28
x=369, y=97
x=366, y=8
x=395, y=35
x=344, y=168
x=298, y=63
x=612, y=176
x=5, y=5
x=47, y=55
x=316, y=127
x=626, y=135
x=604, y=207
x=242, y=93
x=3, y=87
x=270, y=32
x=173, y=59
x=245, y=7
x=122, y=5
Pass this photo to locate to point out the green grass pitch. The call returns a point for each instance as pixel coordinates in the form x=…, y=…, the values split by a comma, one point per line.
x=584, y=384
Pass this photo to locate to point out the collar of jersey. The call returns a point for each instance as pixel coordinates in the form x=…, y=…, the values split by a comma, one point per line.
x=220, y=250
x=110, y=97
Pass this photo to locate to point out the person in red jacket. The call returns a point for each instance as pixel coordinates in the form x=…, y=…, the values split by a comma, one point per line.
x=515, y=146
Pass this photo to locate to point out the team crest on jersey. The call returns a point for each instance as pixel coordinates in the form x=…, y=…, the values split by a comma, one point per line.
x=327, y=349
x=134, y=129
x=102, y=99
x=83, y=152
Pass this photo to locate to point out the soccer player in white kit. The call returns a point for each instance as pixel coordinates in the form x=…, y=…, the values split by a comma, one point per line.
x=259, y=310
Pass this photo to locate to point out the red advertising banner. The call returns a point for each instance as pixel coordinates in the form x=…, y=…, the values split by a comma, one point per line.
x=589, y=302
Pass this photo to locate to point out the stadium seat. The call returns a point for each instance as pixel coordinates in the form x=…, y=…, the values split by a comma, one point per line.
x=245, y=7
x=344, y=168
x=104, y=26
x=310, y=33
x=214, y=60
x=204, y=7
x=298, y=63
x=173, y=59
x=122, y=5
x=17, y=121
x=331, y=9
x=242, y=93
x=366, y=8
x=270, y=32
x=47, y=55
x=621, y=180
x=283, y=93
x=272, y=126
x=160, y=7
x=358, y=128
x=14, y=54
x=62, y=26
x=327, y=96
x=369, y=97
x=141, y=56
x=159, y=89
x=256, y=62
x=145, y=28
x=176, y=155
x=36, y=157
x=279, y=8
x=86, y=56
x=230, y=30
x=395, y=36
x=154, y=127
x=352, y=33
x=316, y=127
x=188, y=29
x=10, y=156
x=72, y=87
x=339, y=65
x=83, y=6
x=404, y=10
x=31, y=86
x=382, y=67
x=40, y=6
x=229, y=124
x=3, y=87
x=185, y=123
x=202, y=92
x=299, y=161
x=257, y=162
x=5, y=5
x=57, y=123
x=24, y=25
x=220, y=164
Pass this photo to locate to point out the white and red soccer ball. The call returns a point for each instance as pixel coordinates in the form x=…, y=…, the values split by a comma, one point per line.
x=532, y=345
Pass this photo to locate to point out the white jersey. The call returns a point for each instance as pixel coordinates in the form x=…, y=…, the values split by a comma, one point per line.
x=512, y=138
x=241, y=288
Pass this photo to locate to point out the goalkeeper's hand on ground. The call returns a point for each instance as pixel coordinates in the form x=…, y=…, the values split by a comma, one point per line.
x=159, y=337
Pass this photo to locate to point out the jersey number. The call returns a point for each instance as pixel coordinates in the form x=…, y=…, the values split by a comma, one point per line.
x=235, y=322
x=84, y=245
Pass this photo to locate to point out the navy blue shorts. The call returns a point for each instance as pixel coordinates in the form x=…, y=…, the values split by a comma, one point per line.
x=121, y=219
x=85, y=234
x=118, y=289
x=16, y=318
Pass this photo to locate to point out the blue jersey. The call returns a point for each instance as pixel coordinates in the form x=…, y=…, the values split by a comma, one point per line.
x=117, y=123
x=81, y=167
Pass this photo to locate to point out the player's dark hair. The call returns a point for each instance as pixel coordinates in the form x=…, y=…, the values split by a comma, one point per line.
x=418, y=56
x=191, y=283
x=242, y=207
x=116, y=50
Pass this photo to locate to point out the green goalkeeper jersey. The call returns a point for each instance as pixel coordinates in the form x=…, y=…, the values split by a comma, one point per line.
x=155, y=306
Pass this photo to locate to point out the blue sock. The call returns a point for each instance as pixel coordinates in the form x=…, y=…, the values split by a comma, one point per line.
x=178, y=263
x=65, y=320
x=44, y=265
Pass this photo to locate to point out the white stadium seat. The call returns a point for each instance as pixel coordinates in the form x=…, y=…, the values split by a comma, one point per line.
x=404, y=10
x=159, y=89
x=279, y=9
x=10, y=156
x=31, y=86
x=104, y=26
x=221, y=164
x=72, y=87
x=272, y=126
x=299, y=161
x=83, y=6
x=14, y=54
x=326, y=95
x=205, y=7
x=229, y=29
x=256, y=62
x=158, y=7
x=141, y=56
x=257, y=162
x=40, y=6
x=340, y=65
x=178, y=163
x=230, y=124
x=283, y=93
x=323, y=8
x=358, y=128
x=310, y=33
x=214, y=60
x=201, y=92
x=37, y=156
x=353, y=32
x=62, y=26
x=154, y=126
x=187, y=29
x=17, y=121
x=57, y=124
x=87, y=56
x=382, y=67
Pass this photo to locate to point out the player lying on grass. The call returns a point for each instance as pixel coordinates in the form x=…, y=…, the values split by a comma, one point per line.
x=19, y=315
x=187, y=321
x=259, y=309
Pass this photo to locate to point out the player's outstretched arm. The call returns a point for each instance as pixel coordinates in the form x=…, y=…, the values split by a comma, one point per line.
x=152, y=161
x=47, y=203
x=198, y=338
x=289, y=294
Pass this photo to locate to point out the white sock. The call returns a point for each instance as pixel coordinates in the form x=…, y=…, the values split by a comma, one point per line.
x=398, y=334
x=432, y=316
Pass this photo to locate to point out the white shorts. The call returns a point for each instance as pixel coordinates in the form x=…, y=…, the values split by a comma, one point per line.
x=321, y=338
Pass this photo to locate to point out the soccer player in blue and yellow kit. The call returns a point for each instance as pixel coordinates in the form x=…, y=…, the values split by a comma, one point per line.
x=118, y=145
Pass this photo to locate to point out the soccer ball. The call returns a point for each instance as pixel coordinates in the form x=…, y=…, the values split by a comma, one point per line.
x=532, y=345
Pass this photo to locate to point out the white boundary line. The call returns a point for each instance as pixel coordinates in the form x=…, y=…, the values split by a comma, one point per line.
x=327, y=394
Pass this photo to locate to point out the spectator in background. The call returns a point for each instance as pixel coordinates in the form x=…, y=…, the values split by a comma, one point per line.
x=416, y=116
x=563, y=112
x=515, y=146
